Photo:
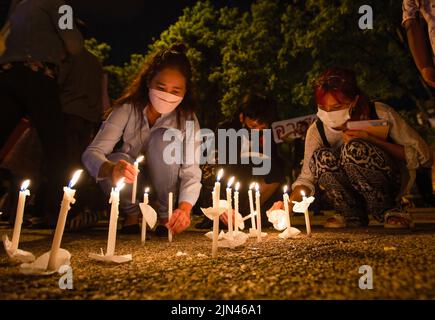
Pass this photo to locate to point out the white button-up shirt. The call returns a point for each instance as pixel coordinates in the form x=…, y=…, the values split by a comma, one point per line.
x=123, y=123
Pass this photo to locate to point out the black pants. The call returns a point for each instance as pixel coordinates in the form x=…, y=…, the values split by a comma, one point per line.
x=24, y=92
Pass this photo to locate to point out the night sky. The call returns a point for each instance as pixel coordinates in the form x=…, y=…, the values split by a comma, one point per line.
x=130, y=25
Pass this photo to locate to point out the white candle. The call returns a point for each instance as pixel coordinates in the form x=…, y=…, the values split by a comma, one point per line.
x=307, y=215
x=68, y=199
x=19, y=215
x=217, y=189
x=236, y=206
x=258, y=211
x=114, y=213
x=251, y=205
x=144, y=223
x=287, y=212
x=216, y=197
x=134, y=190
x=230, y=208
x=170, y=209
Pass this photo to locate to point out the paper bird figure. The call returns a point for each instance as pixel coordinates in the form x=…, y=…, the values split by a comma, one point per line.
x=17, y=255
x=40, y=265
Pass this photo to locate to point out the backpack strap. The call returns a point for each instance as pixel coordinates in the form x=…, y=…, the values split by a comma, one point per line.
x=321, y=129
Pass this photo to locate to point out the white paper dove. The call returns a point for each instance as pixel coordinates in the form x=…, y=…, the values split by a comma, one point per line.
x=302, y=206
x=16, y=255
x=210, y=235
x=39, y=266
x=289, y=233
x=111, y=259
x=149, y=216
x=211, y=212
x=278, y=219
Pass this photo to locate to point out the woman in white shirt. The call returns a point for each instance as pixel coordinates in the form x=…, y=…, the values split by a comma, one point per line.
x=358, y=173
x=160, y=98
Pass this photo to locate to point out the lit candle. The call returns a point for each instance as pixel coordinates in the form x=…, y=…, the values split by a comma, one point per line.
x=258, y=211
x=170, y=209
x=19, y=215
x=236, y=206
x=216, y=197
x=217, y=189
x=251, y=205
x=287, y=212
x=114, y=213
x=68, y=199
x=230, y=208
x=306, y=213
x=144, y=223
x=134, y=190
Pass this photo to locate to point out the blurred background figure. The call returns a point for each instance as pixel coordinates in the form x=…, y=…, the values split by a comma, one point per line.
x=29, y=68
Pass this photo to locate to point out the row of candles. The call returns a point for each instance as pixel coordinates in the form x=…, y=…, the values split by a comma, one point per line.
x=149, y=217
x=256, y=229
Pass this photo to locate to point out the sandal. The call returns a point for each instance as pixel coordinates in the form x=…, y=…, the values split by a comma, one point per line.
x=398, y=220
x=82, y=220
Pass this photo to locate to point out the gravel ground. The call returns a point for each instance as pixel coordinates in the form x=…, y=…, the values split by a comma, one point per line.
x=324, y=266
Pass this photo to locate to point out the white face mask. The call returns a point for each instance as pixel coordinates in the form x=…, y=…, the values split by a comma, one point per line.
x=334, y=119
x=162, y=101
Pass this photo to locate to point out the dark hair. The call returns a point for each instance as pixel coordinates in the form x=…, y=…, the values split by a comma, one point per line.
x=258, y=107
x=339, y=82
x=174, y=57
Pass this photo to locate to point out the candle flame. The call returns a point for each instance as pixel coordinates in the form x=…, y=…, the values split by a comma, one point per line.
x=220, y=174
x=237, y=186
x=147, y=190
x=75, y=178
x=252, y=185
x=230, y=182
x=139, y=159
x=257, y=187
x=25, y=185
x=285, y=189
x=303, y=193
x=120, y=184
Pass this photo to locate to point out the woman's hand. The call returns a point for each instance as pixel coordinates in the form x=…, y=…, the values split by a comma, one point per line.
x=349, y=135
x=278, y=205
x=123, y=169
x=180, y=219
x=224, y=217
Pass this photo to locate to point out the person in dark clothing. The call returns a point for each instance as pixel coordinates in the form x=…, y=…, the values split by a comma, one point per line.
x=255, y=112
x=29, y=69
x=81, y=96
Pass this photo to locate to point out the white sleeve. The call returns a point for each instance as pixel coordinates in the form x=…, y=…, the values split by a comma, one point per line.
x=312, y=143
